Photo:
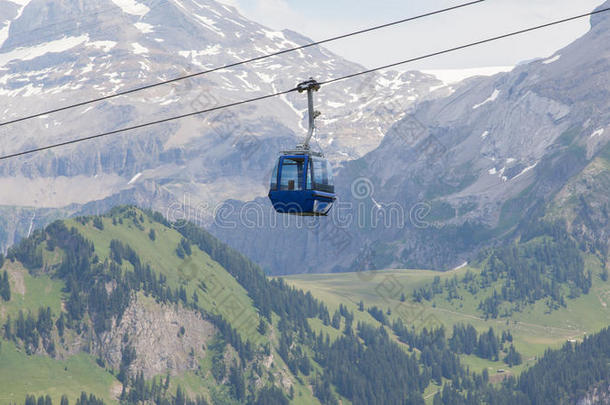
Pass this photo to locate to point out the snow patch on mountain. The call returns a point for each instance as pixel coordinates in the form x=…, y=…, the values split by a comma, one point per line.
x=491, y=99
x=551, y=60
x=139, y=49
x=335, y=105
x=26, y=91
x=144, y=28
x=132, y=7
x=194, y=54
x=29, y=53
x=599, y=132
x=22, y=3
x=4, y=33
x=135, y=178
x=210, y=25
x=268, y=79
x=527, y=169
x=105, y=46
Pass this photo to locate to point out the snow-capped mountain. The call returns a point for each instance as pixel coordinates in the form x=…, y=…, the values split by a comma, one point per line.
x=58, y=52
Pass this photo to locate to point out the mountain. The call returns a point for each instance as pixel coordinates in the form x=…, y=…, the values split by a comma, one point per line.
x=462, y=172
x=53, y=53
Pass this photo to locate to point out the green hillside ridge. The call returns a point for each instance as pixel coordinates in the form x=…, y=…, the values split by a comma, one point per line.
x=40, y=287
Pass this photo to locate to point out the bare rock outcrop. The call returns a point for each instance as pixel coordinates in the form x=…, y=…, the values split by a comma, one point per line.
x=165, y=338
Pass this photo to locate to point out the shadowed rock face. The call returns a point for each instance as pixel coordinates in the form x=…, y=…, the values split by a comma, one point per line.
x=464, y=171
x=154, y=332
x=61, y=52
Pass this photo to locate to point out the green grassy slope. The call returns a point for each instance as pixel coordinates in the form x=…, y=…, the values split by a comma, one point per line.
x=41, y=375
x=30, y=293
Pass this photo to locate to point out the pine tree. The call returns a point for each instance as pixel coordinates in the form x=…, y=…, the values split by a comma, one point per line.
x=236, y=379
x=262, y=327
x=97, y=222
x=5, y=287
x=336, y=321
x=180, y=397
x=60, y=324
x=513, y=358
x=166, y=383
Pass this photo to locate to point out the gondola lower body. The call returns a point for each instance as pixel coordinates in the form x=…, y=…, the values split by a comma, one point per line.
x=302, y=203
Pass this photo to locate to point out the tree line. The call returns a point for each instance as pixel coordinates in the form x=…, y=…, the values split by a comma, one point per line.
x=83, y=399
x=31, y=330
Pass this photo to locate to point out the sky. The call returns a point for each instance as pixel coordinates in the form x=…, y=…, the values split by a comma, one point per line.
x=319, y=19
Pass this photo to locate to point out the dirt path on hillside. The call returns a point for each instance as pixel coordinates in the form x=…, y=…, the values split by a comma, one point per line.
x=562, y=331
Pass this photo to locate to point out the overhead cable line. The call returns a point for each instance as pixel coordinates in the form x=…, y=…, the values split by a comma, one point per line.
x=235, y=64
x=74, y=141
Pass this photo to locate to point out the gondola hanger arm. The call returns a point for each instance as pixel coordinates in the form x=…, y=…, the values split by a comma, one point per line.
x=310, y=86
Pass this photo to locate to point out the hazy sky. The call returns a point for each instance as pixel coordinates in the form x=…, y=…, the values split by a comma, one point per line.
x=319, y=19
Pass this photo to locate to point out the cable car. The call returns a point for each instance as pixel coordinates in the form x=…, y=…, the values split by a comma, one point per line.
x=302, y=180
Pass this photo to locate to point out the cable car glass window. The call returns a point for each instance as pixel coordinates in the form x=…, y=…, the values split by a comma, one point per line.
x=292, y=174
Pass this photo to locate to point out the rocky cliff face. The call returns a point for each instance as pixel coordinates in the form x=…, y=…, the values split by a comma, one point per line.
x=597, y=396
x=165, y=339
